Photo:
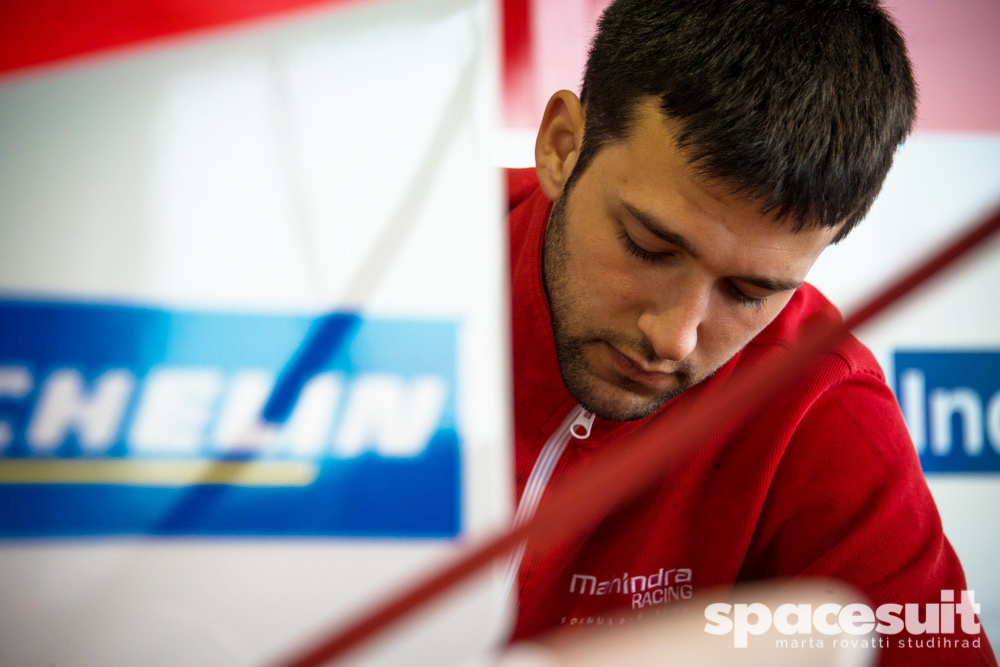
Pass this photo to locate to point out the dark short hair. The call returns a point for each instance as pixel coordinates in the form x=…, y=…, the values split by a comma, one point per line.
x=798, y=104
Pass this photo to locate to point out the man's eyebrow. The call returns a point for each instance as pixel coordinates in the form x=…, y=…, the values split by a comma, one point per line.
x=654, y=227
x=770, y=284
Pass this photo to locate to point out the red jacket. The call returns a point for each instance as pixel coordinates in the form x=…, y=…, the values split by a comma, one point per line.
x=828, y=485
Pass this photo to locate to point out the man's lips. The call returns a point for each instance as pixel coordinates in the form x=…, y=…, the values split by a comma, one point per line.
x=635, y=371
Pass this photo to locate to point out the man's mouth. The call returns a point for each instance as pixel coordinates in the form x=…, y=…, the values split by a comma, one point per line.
x=636, y=370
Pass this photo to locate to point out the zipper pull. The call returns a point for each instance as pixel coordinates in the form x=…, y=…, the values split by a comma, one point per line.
x=580, y=428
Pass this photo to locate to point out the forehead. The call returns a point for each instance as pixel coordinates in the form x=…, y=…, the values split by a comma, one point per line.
x=649, y=159
x=647, y=171
x=648, y=167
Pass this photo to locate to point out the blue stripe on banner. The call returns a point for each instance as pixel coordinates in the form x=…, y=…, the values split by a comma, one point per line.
x=951, y=401
x=123, y=420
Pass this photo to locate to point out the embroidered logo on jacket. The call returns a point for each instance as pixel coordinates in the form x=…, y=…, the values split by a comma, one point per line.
x=661, y=587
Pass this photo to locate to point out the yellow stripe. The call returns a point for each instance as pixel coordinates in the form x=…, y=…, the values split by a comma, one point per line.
x=159, y=473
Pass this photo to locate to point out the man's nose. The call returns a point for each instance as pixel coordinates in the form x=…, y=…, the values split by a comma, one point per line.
x=673, y=330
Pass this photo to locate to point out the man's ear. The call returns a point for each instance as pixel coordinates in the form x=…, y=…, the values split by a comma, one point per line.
x=557, y=147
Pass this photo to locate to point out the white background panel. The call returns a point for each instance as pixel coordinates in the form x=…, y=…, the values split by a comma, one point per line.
x=940, y=184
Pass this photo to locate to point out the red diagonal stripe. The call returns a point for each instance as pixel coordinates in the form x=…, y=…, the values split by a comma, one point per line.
x=640, y=462
x=33, y=32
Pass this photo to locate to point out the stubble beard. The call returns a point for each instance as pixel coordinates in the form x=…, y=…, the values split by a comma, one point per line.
x=566, y=309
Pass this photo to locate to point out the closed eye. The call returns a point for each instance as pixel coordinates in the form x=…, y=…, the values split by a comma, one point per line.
x=741, y=297
x=636, y=250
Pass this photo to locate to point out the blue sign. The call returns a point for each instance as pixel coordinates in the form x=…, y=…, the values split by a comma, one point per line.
x=124, y=420
x=951, y=402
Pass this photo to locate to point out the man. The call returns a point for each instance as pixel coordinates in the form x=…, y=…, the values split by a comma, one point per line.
x=658, y=251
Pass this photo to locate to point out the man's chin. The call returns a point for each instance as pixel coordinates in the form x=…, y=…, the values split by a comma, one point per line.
x=620, y=404
x=609, y=393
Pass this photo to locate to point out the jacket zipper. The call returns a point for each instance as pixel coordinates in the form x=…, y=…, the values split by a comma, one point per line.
x=578, y=424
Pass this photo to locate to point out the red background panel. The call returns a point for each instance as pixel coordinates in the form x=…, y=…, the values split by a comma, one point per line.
x=955, y=45
x=955, y=48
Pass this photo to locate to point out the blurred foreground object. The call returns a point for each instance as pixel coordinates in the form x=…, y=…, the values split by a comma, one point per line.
x=248, y=369
x=677, y=636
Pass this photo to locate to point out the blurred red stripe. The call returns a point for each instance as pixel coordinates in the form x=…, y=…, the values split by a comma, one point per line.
x=638, y=462
x=517, y=63
x=34, y=32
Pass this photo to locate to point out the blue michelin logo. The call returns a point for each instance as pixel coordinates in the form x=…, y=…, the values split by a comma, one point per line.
x=123, y=420
x=951, y=402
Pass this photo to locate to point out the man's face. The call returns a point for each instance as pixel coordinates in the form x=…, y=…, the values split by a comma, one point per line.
x=656, y=277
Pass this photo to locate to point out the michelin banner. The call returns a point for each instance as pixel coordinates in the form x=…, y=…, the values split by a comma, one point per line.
x=251, y=306
x=173, y=423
